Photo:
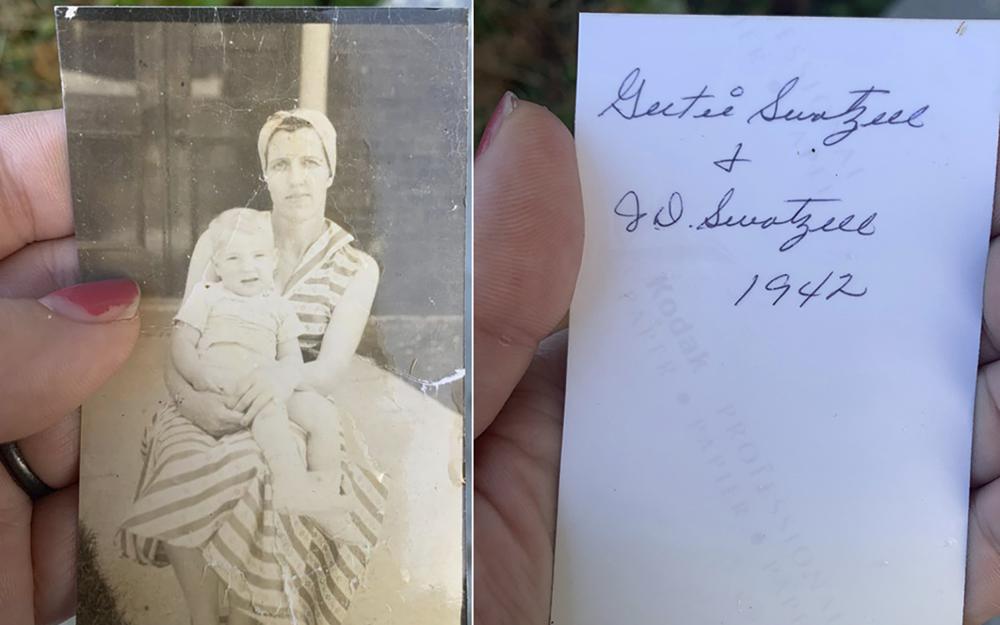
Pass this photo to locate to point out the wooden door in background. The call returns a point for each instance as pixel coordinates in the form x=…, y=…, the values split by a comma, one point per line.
x=167, y=124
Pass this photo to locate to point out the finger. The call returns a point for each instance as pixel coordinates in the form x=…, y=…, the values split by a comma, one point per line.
x=986, y=430
x=53, y=555
x=995, y=230
x=246, y=398
x=986, y=426
x=262, y=401
x=60, y=349
x=54, y=453
x=34, y=180
x=516, y=481
x=223, y=418
x=39, y=268
x=15, y=552
x=987, y=352
x=989, y=343
x=244, y=388
x=991, y=305
x=528, y=242
x=532, y=424
x=982, y=591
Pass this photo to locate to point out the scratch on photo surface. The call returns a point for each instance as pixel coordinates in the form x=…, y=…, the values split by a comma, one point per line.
x=456, y=468
x=253, y=196
x=286, y=579
x=420, y=31
x=361, y=445
x=428, y=385
x=222, y=38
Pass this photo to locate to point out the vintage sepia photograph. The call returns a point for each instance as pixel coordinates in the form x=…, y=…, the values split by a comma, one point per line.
x=289, y=188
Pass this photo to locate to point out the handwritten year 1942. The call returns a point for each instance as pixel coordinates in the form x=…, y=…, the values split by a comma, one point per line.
x=826, y=288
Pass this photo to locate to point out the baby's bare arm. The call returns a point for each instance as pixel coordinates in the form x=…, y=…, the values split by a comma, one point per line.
x=184, y=351
x=289, y=353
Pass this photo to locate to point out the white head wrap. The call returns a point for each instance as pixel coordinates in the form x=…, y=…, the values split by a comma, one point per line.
x=316, y=120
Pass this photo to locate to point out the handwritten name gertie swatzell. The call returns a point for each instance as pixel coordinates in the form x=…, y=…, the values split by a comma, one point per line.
x=857, y=115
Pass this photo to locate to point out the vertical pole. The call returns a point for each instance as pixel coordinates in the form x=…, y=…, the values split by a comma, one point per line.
x=315, y=63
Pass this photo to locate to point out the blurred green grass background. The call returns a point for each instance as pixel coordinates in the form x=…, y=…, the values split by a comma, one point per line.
x=529, y=46
x=526, y=46
x=29, y=60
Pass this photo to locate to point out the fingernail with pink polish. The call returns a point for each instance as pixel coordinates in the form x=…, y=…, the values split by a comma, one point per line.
x=506, y=106
x=95, y=302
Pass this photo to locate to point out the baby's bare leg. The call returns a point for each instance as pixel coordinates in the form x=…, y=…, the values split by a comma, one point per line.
x=271, y=431
x=320, y=418
x=327, y=467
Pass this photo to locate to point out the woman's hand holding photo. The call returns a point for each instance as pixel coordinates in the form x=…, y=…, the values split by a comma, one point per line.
x=60, y=343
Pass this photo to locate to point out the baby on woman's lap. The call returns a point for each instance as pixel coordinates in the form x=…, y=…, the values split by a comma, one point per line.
x=226, y=330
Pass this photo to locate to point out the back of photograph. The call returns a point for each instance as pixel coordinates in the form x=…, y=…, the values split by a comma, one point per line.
x=289, y=188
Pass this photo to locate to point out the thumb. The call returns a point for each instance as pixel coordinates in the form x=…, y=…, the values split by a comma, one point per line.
x=528, y=241
x=58, y=350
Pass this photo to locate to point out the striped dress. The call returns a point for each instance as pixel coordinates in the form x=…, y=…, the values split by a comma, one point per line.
x=215, y=494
